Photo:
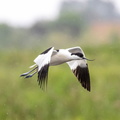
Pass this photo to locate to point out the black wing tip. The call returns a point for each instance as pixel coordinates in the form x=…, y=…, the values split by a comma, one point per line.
x=87, y=88
x=46, y=50
x=43, y=76
x=82, y=73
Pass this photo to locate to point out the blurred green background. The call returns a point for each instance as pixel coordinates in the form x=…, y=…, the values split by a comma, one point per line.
x=97, y=32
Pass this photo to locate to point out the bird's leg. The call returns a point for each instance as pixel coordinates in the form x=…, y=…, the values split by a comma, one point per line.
x=30, y=75
x=25, y=74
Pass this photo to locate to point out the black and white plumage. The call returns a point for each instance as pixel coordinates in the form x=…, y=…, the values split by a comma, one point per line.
x=74, y=57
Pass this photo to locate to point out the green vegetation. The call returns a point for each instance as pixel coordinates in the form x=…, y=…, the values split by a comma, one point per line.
x=64, y=99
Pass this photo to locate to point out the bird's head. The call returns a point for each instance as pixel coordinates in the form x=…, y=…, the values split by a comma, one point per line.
x=80, y=56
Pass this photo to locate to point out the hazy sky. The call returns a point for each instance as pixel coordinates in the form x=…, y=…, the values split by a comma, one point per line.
x=26, y=12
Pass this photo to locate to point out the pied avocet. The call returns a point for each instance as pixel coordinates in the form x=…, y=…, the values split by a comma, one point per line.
x=74, y=57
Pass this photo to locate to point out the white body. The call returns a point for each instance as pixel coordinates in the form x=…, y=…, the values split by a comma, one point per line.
x=61, y=57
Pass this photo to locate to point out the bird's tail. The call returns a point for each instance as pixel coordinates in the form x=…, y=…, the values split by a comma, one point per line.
x=32, y=66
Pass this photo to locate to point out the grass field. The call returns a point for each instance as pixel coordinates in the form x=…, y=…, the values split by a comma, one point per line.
x=64, y=99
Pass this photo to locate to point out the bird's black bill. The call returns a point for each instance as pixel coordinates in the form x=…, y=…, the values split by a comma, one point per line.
x=89, y=59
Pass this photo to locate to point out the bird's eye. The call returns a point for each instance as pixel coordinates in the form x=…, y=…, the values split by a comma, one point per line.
x=81, y=55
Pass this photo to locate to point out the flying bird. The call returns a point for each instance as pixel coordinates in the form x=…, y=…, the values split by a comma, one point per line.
x=74, y=57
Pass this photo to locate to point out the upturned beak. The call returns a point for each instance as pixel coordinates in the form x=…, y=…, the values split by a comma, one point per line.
x=89, y=59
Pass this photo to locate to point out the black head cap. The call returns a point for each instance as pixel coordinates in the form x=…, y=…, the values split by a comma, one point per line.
x=78, y=54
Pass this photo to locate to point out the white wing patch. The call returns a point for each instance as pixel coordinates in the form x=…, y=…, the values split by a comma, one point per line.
x=43, y=59
x=75, y=50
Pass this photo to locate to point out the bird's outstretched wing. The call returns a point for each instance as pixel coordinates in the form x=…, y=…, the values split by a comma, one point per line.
x=80, y=70
x=75, y=50
x=43, y=61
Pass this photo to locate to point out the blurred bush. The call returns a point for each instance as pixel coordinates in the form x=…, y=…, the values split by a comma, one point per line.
x=64, y=98
x=88, y=22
